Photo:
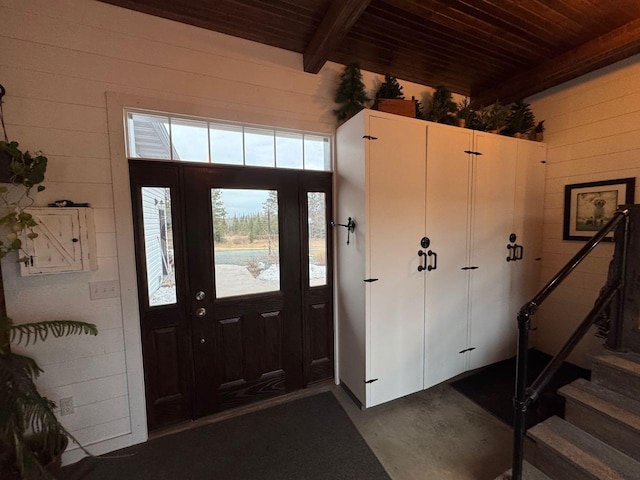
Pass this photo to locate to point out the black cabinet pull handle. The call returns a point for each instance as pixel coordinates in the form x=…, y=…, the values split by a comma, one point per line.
x=433, y=254
x=512, y=253
x=519, y=252
x=422, y=267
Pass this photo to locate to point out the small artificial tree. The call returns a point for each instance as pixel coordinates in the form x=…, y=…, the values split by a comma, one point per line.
x=390, y=88
x=350, y=93
x=491, y=119
x=520, y=120
x=442, y=108
x=419, y=109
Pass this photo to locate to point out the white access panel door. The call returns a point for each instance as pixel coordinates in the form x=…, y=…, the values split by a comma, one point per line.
x=528, y=221
x=492, y=328
x=447, y=227
x=395, y=226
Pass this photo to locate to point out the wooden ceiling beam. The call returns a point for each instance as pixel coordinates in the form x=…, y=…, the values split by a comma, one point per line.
x=609, y=48
x=340, y=17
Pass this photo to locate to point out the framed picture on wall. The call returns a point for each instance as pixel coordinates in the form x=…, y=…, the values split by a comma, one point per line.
x=589, y=206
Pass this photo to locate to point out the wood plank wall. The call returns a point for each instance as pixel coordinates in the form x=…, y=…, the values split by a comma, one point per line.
x=57, y=60
x=593, y=133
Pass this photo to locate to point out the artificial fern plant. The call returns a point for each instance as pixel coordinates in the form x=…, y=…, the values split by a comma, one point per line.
x=27, y=418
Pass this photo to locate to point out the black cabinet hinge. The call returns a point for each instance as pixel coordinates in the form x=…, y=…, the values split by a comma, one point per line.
x=371, y=381
x=369, y=137
x=467, y=350
x=369, y=280
x=469, y=268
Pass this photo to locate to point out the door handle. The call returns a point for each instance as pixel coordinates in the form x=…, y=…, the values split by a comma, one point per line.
x=201, y=312
x=519, y=252
x=433, y=254
x=422, y=267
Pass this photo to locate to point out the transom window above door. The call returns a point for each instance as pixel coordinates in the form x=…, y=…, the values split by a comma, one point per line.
x=158, y=136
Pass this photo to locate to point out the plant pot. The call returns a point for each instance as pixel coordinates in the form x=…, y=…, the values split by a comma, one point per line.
x=52, y=465
x=398, y=106
x=539, y=137
x=462, y=122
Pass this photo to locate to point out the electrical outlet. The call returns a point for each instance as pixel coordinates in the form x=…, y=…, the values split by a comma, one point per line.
x=66, y=406
x=107, y=289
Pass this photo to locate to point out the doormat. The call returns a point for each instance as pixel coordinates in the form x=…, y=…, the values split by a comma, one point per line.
x=307, y=439
x=493, y=388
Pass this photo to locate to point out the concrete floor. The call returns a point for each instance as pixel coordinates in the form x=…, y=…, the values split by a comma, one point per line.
x=437, y=434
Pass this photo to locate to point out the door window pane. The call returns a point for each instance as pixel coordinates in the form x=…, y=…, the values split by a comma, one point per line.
x=246, y=243
x=259, y=147
x=316, y=153
x=190, y=140
x=158, y=245
x=289, y=152
x=148, y=136
x=227, y=144
x=317, y=218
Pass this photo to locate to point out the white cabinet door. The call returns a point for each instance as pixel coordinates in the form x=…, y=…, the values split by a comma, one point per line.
x=492, y=328
x=447, y=227
x=527, y=222
x=395, y=226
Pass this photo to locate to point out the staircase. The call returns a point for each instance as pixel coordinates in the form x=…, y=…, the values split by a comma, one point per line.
x=600, y=435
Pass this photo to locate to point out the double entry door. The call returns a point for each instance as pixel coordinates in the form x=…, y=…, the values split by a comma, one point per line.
x=235, y=284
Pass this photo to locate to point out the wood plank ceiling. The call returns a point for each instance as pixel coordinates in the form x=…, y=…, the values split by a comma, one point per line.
x=487, y=49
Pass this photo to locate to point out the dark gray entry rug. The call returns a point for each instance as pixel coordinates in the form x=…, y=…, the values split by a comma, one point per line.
x=307, y=439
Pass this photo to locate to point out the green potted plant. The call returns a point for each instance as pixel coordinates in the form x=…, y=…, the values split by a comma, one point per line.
x=31, y=437
x=491, y=119
x=538, y=132
x=389, y=98
x=520, y=120
x=350, y=93
x=442, y=108
x=464, y=113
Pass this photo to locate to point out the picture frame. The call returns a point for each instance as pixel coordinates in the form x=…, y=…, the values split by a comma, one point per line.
x=589, y=206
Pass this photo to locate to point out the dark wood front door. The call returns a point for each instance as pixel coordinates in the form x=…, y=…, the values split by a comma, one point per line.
x=248, y=313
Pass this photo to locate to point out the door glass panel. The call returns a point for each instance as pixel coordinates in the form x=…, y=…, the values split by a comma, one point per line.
x=317, y=218
x=158, y=245
x=246, y=243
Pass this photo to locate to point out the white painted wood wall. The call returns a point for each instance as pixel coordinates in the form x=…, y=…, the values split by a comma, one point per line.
x=593, y=133
x=57, y=61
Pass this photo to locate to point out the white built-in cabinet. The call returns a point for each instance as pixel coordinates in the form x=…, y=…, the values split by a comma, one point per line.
x=66, y=242
x=444, y=198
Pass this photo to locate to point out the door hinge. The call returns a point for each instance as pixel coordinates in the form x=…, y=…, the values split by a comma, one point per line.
x=471, y=152
x=371, y=381
x=469, y=268
x=369, y=280
x=369, y=137
x=467, y=350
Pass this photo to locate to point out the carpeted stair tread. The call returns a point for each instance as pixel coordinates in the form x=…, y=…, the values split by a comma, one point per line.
x=610, y=416
x=619, y=407
x=529, y=472
x=627, y=362
x=619, y=372
x=585, y=453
